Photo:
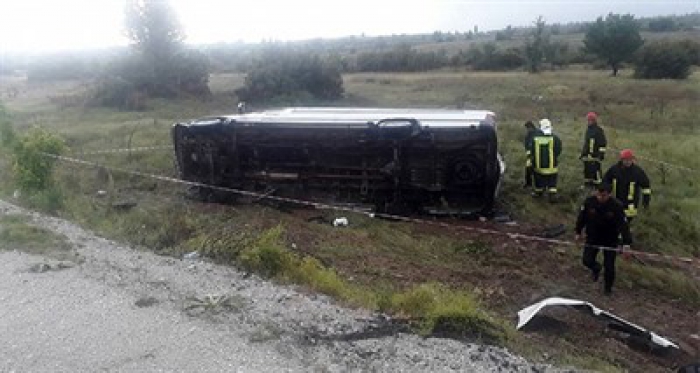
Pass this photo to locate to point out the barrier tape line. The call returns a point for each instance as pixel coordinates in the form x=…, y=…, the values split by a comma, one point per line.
x=510, y=235
x=125, y=150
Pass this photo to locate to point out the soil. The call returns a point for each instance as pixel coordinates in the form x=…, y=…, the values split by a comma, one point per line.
x=517, y=273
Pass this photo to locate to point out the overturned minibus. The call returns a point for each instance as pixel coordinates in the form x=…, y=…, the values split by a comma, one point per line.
x=431, y=161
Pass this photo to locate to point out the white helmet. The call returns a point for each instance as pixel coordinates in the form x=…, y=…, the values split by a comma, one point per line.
x=546, y=126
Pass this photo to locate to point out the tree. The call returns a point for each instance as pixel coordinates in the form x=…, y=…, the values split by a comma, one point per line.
x=662, y=24
x=161, y=66
x=663, y=60
x=153, y=27
x=557, y=54
x=536, y=46
x=614, y=39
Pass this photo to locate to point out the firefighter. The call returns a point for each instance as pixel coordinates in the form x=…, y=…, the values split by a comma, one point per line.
x=545, y=148
x=532, y=131
x=604, y=220
x=629, y=181
x=593, y=151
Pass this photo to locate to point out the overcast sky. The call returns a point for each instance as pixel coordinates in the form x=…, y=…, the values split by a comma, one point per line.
x=48, y=25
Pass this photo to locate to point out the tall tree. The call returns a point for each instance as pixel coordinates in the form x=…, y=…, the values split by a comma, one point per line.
x=163, y=66
x=153, y=27
x=614, y=39
x=537, y=45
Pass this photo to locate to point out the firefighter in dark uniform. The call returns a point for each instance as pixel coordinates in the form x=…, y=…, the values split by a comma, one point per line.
x=628, y=182
x=604, y=221
x=532, y=131
x=593, y=151
x=545, y=148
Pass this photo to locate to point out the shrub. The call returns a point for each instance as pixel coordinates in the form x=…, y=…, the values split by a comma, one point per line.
x=32, y=168
x=290, y=74
x=663, y=60
x=267, y=256
x=447, y=312
x=118, y=93
x=400, y=58
x=489, y=57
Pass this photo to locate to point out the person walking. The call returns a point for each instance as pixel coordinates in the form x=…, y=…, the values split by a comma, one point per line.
x=604, y=221
x=628, y=182
x=532, y=131
x=593, y=151
x=545, y=148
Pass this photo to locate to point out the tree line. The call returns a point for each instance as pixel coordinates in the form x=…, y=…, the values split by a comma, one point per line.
x=159, y=64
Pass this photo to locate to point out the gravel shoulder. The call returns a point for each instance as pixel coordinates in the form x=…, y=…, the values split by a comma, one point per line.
x=121, y=309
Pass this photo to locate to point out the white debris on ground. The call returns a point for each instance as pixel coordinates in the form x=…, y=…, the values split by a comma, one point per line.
x=127, y=310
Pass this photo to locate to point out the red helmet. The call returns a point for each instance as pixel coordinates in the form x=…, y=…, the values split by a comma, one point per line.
x=591, y=116
x=626, y=154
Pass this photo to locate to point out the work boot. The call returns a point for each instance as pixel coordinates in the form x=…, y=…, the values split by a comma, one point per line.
x=607, y=292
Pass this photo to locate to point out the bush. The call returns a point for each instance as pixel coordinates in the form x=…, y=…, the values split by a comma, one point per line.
x=401, y=58
x=118, y=93
x=489, y=57
x=33, y=169
x=267, y=256
x=663, y=60
x=280, y=74
x=128, y=82
x=446, y=312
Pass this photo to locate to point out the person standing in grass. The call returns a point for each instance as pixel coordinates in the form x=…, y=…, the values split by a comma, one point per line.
x=629, y=181
x=593, y=152
x=532, y=131
x=604, y=221
x=546, y=148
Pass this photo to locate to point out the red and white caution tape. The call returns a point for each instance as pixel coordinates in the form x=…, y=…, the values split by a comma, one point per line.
x=125, y=150
x=511, y=235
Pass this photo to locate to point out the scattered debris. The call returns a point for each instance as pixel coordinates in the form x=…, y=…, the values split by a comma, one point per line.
x=192, y=255
x=101, y=193
x=16, y=194
x=45, y=267
x=213, y=303
x=340, y=222
x=614, y=322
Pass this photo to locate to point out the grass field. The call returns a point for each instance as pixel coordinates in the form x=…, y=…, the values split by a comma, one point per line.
x=398, y=266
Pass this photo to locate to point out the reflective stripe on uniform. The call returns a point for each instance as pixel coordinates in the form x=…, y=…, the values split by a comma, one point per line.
x=646, y=191
x=549, y=142
x=630, y=192
x=614, y=187
x=591, y=142
x=631, y=211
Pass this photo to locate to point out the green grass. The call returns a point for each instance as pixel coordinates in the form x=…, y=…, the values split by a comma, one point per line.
x=17, y=233
x=440, y=310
